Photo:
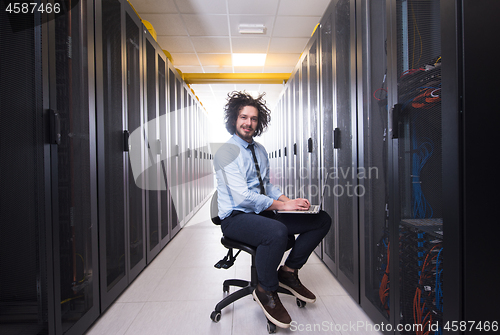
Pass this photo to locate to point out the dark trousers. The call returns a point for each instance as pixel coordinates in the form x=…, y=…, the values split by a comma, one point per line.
x=269, y=233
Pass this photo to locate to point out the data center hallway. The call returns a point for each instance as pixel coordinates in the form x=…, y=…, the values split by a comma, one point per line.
x=177, y=292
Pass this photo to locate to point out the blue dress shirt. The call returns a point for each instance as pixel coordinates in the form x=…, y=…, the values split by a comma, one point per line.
x=238, y=185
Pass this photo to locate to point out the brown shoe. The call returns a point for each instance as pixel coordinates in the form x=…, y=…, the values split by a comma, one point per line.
x=290, y=281
x=272, y=307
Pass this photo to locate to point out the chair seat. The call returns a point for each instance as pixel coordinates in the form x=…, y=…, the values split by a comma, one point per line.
x=229, y=243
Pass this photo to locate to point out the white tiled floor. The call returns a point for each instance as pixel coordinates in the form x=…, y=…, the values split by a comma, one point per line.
x=177, y=292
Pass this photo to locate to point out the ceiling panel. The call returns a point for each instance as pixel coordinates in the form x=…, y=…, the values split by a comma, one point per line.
x=259, y=7
x=206, y=25
x=288, y=44
x=201, y=6
x=282, y=60
x=250, y=44
x=154, y=6
x=175, y=44
x=211, y=44
x=181, y=59
x=295, y=26
x=303, y=8
x=190, y=69
x=221, y=60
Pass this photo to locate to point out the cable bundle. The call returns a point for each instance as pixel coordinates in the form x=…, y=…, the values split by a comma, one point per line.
x=424, y=302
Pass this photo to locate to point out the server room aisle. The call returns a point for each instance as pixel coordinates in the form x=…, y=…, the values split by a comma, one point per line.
x=177, y=292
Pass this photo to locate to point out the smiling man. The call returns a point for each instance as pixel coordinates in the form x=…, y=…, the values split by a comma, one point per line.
x=246, y=204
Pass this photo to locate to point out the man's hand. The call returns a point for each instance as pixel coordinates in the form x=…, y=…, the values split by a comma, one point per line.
x=282, y=204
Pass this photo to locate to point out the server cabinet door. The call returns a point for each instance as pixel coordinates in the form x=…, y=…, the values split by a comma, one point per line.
x=304, y=131
x=153, y=147
x=341, y=245
x=165, y=196
x=313, y=148
x=373, y=161
x=74, y=171
x=181, y=196
x=27, y=301
x=135, y=152
x=288, y=188
x=417, y=140
x=297, y=134
x=345, y=77
x=174, y=150
x=111, y=157
x=328, y=124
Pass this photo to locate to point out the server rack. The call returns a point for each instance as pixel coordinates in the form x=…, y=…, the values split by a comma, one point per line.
x=328, y=124
x=111, y=123
x=48, y=208
x=71, y=94
x=73, y=233
x=403, y=123
x=375, y=256
x=135, y=115
x=153, y=145
x=304, y=130
x=340, y=248
x=21, y=226
x=165, y=197
x=174, y=149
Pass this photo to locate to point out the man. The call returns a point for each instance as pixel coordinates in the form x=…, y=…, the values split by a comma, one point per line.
x=246, y=201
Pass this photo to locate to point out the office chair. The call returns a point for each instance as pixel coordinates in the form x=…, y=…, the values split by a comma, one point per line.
x=247, y=287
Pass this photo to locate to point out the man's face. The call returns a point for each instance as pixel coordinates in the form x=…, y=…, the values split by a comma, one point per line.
x=246, y=123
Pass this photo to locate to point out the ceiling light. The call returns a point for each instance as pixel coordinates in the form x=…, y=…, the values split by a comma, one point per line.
x=251, y=29
x=249, y=59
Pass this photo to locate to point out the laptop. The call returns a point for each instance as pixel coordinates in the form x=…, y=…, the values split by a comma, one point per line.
x=313, y=209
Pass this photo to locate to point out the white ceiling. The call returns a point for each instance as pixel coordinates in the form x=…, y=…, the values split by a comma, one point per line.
x=201, y=35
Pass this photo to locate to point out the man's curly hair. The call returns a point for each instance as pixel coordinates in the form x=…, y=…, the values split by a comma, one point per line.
x=236, y=101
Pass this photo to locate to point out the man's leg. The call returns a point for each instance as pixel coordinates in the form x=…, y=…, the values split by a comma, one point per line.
x=311, y=229
x=268, y=235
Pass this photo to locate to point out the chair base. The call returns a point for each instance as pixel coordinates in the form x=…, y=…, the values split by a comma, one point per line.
x=247, y=288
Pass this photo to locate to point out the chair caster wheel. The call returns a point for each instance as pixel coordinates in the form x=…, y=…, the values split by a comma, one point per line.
x=300, y=303
x=271, y=327
x=215, y=316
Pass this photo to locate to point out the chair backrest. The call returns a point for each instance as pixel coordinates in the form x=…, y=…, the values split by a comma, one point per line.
x=214, y=209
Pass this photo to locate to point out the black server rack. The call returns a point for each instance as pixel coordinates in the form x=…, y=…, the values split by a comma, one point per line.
x=375, y=241
x=151, y=130
x=73, y=168
x=173, y=155
x=111, y=121
x=77, y=88
x=165, y=196
x=328, y=145
x=338, y=71
x=402, y=107
x=135, y=115
x=26, y=292
x=48, y=209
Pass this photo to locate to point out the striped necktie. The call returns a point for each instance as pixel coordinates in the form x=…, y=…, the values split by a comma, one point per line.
x=252, y=149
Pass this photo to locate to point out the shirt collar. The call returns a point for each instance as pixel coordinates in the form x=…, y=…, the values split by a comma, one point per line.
x=241, y=141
